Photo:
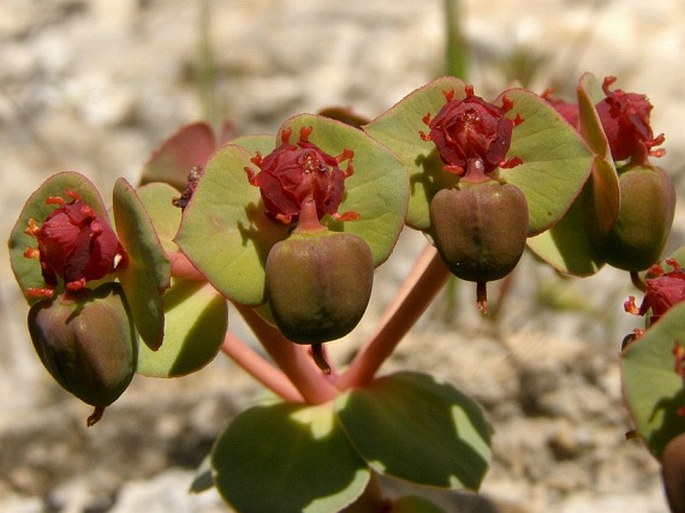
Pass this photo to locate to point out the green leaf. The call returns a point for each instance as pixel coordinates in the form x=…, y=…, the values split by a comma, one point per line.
x=566, y=246
x=196, y=318
x=146, y=274
x=378, y=190
x=556, y=161
x=409, y=426
x=287, y=458
x=414, y=504
x=27, y=271
x=398, y=128
x=653, y=391
x=157, y=199
x=203, y=479
x=171, y=162
x=225, y=231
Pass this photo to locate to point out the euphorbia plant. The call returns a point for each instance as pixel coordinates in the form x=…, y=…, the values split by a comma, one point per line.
x=289, y=229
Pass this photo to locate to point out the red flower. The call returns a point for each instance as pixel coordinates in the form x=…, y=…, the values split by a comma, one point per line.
x=74, y=243
x=625, y=119
x=664, y=289
x=294, y=174
x=569, y=111
x=472, y=136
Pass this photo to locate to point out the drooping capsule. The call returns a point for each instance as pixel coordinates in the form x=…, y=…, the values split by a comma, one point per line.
x=644, y=221
x=87, y=341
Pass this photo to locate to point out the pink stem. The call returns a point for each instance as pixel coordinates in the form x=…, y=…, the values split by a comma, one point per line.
x=425, y=280
x=181, y=267
x=259, y=368
x=293, y=359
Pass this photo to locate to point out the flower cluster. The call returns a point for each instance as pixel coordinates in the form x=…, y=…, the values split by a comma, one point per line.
x=74, y=244
x=294, y=174
x=664, y=289
x=472, y=136
x=625, y=120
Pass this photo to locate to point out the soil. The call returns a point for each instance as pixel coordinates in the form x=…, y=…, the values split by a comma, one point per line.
x=94, y=86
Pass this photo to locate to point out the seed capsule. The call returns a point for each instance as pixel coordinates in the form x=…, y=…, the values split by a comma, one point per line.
x=644, y=220
x=480, y=231
x=673, y=473
x=87, y=342
x=318, y=284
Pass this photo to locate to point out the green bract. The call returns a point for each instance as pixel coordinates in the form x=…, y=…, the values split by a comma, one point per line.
x=556, y=161
x=146, y=274
x=27, y=271
x=196, y=318
x=157, y=199
x=228, y=211
x=567, y=246
x=398, y=128
x=653, y=390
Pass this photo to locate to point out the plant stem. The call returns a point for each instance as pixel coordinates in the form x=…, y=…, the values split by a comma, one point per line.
x=455, y=46
x=424, y=281
x=181, y=267
x=259, y=368
x=293, y=359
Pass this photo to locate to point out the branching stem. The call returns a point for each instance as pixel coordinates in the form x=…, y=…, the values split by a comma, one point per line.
x=425, y=280
x=259, y=368
x=293, y=359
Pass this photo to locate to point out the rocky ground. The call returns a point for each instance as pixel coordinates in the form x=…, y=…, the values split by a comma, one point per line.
x=94, y=85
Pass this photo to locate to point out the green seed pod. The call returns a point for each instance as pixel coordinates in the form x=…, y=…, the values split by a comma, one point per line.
x=481, y=230
x=87, y=342
x=318, y=284
x=673, y=473
x=644, y=220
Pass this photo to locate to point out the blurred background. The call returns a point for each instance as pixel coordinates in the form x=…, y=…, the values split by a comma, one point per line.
x=94, y=86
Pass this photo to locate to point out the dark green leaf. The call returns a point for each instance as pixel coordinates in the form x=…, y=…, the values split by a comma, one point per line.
x=203, y=480
x=287, y=458
x=407, y=425
x=414, y=504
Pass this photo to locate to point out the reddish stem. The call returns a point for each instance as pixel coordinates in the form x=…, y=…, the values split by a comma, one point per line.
x=308, y=221
x=181, y=267
x=259, y=368
x=425, y=280
x=293, y=359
